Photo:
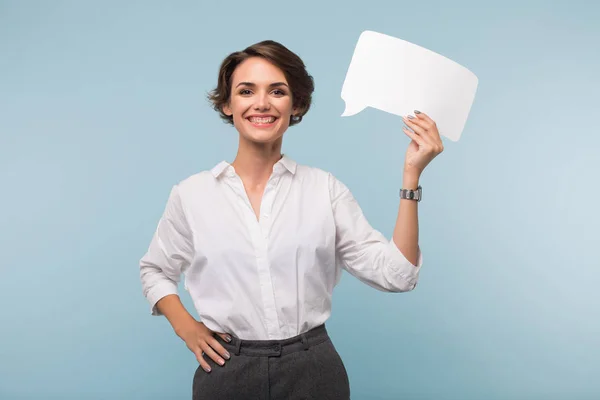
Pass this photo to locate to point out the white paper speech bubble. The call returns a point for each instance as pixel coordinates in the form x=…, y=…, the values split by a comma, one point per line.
x=398, y=77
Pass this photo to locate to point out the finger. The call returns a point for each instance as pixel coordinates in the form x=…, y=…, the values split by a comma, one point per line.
x=426, y=120
x=211, y=353
x=201, y=360
x=432, y=129
x=422, y=116
x=424, y=129
x=419, y=131
x=225, y=337
x=413, y=136
x=414, y=121
x=218, y=348
x=414, y=126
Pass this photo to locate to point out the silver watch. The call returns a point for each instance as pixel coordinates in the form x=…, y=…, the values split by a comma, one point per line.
x=410, y=194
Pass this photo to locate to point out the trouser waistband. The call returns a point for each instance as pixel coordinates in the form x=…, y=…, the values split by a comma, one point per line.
x=276, y=348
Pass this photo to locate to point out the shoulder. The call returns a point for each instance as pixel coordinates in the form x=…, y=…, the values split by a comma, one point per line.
x=195, y=180
x=191, y=185
x=316, y=174
x=310, y=171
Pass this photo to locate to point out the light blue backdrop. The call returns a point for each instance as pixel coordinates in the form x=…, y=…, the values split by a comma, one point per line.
x=102, y=109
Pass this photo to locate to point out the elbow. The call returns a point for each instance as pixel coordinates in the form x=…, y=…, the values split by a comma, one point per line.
x=404, y=286
x=402, y=278
x=156, y=284
x=156, y=291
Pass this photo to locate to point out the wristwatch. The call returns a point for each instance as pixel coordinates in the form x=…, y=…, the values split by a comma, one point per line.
x=410, y=194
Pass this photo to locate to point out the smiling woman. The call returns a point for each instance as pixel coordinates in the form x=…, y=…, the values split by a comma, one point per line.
x=262, y=242
x=286, y=64
x=260, y=103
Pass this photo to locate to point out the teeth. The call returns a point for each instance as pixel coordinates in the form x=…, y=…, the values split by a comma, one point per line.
x=267, y=120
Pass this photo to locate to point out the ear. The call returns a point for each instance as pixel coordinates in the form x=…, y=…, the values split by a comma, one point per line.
x=227, y=110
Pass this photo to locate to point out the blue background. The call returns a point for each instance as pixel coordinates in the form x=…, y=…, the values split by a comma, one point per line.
x=102, y=110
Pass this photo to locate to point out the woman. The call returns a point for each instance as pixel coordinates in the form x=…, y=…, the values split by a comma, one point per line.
x=262, y=242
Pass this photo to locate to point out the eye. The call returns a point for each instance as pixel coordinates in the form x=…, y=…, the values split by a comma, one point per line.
x=279, y=92
x=245, y=91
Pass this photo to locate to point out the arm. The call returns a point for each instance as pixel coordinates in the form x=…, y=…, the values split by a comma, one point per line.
x=173, y=309
x=388, y=266
x=169, y=254
x=406, y=231
x=363, y=251
x=426, y=144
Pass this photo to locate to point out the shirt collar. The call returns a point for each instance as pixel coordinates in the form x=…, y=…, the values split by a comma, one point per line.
x=284, y=163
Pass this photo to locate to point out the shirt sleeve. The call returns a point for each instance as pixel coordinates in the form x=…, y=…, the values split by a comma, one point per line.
x=169, y=254
x=363, y=251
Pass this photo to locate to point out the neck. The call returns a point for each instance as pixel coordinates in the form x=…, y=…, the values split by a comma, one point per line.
x=254, y=162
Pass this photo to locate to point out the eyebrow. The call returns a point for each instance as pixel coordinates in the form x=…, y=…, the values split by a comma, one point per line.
x=275, y=84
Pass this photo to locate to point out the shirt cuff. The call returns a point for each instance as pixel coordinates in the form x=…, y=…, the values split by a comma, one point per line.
x=159, y=291
x=404, y=267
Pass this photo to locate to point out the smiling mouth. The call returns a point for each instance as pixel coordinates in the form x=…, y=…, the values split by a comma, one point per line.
x=262, y=121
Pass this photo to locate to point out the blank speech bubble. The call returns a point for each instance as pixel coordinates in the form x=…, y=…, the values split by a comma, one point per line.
x=398, y=77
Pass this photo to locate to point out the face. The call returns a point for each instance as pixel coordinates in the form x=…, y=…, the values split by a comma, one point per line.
x=260, y=101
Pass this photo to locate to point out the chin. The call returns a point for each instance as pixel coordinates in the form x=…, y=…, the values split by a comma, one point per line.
x=262, y=137
x=262, y=134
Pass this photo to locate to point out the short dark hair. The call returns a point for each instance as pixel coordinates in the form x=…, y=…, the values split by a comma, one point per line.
x=300, y=82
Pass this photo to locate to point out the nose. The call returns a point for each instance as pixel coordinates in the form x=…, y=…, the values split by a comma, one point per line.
x=262, y=102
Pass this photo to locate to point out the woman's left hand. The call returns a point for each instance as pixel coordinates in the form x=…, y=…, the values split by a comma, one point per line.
x=425, y=145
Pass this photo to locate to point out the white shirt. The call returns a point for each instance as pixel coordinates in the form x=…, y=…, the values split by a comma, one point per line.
x=270, y=277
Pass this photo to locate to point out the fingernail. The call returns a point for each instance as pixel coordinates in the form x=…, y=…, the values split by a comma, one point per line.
x=221, y=362
x=411, y=117
x=208, y=369
x=417, y=112
x=228, y=338
x=227, y=356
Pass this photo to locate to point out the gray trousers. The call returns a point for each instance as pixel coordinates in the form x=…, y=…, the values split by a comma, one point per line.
x=306, y=366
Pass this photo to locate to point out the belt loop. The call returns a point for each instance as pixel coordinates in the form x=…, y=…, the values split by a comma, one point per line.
x=305, y=341
x=238, y=343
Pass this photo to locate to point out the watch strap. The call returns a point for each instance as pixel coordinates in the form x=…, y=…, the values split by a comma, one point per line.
x=411, y=194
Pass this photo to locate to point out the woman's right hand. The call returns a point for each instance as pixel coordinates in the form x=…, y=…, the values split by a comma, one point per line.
x=200, y=340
